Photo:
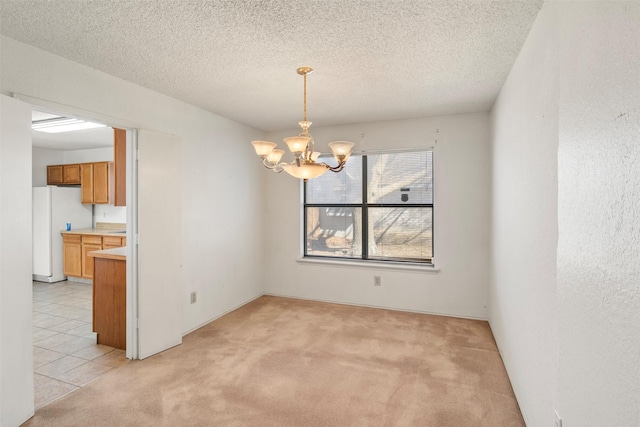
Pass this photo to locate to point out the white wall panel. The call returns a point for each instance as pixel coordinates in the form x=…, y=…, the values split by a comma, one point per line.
x=16, y=338
x=564, y=292
x=599, y=215
x=524, y=224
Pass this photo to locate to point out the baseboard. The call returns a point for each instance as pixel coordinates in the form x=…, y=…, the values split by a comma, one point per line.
x=220, y=315
x=435, y=313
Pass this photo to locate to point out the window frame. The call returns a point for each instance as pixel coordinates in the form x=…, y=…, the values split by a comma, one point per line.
x=364, y=205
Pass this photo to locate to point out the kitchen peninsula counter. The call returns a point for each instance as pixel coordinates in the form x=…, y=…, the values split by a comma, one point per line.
x=115, y=253
x=110, y=296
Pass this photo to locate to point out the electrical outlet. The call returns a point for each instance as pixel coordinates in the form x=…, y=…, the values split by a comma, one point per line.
x=557, y=419
x=194, y=297
x=376, y=280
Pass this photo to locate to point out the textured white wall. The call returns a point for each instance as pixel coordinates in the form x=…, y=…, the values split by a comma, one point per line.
x=461, y=221
x=89, y=155
x=524, y=223
x=567, y=317
x=220, y=200
x=599, y=214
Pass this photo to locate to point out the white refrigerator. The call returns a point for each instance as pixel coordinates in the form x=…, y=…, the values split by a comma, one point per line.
x=53, y=207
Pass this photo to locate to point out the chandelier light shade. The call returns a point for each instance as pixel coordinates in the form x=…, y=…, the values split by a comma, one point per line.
x=304, y=165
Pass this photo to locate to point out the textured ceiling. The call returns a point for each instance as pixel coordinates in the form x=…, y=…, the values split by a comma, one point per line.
x=373, y=59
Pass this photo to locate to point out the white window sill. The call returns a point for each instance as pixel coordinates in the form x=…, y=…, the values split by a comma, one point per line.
x=386, y=265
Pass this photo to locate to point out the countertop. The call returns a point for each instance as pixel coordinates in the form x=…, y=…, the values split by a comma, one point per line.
x=96, y=232
x=115, y=253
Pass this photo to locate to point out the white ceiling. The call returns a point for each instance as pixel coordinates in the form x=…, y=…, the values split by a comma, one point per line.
x=373, y=59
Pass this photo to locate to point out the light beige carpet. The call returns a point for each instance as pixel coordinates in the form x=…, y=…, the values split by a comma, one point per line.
x=287, y=362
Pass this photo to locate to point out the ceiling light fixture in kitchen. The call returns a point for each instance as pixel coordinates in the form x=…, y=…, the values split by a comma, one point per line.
x=63, y=124
x=304, y=165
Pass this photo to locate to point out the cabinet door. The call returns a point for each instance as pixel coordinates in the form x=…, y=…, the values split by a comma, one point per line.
x=54, y=175
x=71, y=174
x=101, y=182
x=87, y=261
x=86, y=172
x=90, y=243
x=72, y=255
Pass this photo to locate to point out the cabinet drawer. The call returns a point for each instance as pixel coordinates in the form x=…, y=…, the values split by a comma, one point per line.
x=71, y=238
x=112, y=241
x=93, y=240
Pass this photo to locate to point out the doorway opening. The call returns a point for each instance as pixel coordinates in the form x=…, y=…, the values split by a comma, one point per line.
x=72, y=219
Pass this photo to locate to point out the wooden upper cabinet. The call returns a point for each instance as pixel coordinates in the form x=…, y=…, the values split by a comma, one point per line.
x=54, y=174
x=86, y=170
x=97, y=182
x=95, y=179
x=63, y=174
x=71, y=174
x=120, y=165
x=101, y=184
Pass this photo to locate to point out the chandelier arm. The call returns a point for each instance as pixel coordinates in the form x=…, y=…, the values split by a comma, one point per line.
x=310, y=147
x=337, y=168
x=274, y=167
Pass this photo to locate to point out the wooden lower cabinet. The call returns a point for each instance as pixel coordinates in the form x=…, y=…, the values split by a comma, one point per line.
x=76, y=247
x=72, y=255
x=110, y=242
x=87, y=261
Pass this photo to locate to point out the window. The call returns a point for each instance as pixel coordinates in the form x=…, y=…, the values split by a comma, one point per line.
x=380, y=207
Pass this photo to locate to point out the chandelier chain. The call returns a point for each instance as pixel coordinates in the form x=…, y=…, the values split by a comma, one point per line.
x=305, y=98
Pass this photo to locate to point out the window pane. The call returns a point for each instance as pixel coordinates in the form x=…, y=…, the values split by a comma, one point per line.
x=400, y=178
x=400, y=233
x=343, y=187
x=334, y=232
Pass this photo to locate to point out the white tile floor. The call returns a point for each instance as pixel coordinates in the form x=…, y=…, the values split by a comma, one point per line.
x=65, y=353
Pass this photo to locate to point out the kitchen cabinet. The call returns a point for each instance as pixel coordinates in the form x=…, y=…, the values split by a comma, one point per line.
x=63, y=174
x=110, y=242
x=97, y=181
x=77, y=262
x=72, y=255
x=89, y=244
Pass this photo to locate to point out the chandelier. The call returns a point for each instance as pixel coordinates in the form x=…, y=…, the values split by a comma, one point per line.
x=304, y=165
